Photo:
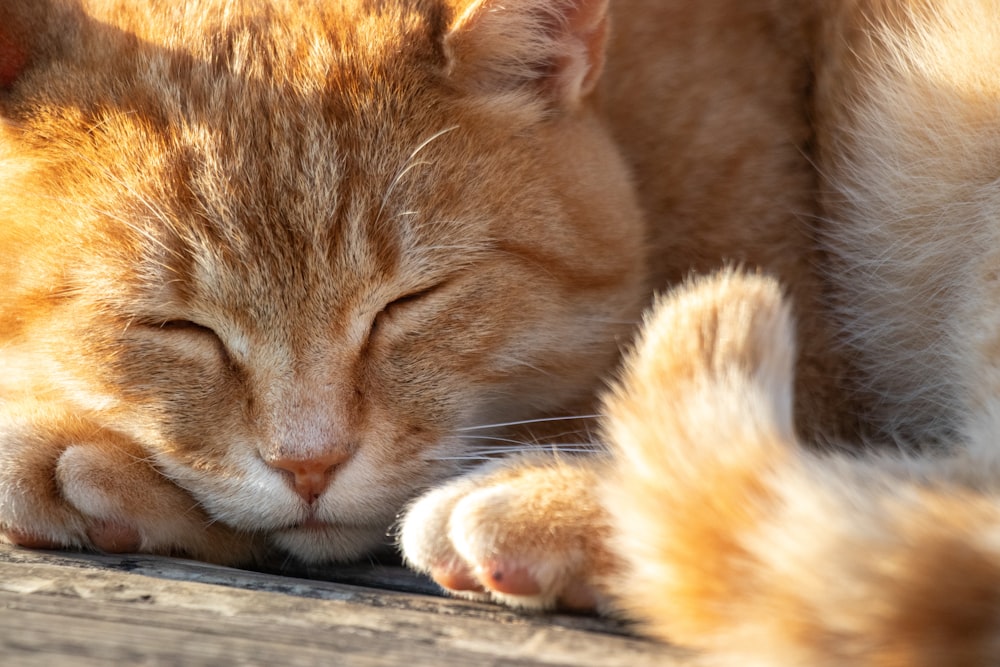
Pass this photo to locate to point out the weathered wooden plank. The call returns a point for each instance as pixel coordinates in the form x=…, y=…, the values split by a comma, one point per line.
x=81, y=609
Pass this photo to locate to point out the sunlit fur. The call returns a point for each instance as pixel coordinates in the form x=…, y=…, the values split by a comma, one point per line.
x=414, y=234
x=718, y=524
x=212, y=221
x=741, y=541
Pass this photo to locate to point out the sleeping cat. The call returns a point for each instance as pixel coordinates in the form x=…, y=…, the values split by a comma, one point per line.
x=263, y=262
x=274, y=269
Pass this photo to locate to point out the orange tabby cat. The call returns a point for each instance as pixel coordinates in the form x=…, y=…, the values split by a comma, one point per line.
x=276, y=255
x=272, y=269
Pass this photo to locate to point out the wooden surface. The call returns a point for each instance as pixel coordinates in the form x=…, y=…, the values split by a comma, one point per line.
x=84, y=609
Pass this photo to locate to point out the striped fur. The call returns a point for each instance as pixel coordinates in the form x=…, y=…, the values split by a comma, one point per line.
x=272, y=270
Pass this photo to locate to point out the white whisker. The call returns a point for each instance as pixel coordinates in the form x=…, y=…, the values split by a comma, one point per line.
x=490, y=453
x=408, y=166
x=466, y=438
x=524, y=422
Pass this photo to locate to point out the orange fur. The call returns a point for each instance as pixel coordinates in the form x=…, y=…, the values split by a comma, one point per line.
x=729, y=532
x=267, y=246
x=273, y=270
x=741, y=541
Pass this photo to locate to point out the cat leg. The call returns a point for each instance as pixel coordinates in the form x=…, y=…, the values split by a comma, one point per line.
x=67, y=483
x=735, y=539
x=528, y=532
x=544, y=518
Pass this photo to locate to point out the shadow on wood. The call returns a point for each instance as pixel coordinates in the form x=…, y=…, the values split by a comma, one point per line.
x=83, y=609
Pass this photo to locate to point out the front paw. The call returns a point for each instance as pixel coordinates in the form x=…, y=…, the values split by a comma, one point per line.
x=66, y=484
x=527, y=532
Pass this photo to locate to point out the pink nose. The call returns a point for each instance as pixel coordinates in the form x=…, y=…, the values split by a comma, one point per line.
x=310, y=477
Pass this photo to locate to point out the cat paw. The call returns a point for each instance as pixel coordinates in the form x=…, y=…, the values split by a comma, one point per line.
x=527, y=533
x=59, y=490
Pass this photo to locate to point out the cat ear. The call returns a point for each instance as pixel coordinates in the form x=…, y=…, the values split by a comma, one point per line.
x=30, y=31
x=13, y=54
x=555, y=47
x=34, y=33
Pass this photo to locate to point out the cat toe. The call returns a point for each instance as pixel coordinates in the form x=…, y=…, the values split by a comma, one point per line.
x=30, y=540
x=423, y=538
x=106, y=536
x=546, y=583
x=457, y=579
x=518, y=586
x=114, y=537
x=536, y=581
x=509, y=579
x=521, y=533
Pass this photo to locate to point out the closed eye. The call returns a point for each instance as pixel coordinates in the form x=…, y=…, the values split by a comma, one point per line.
x=409, y=298
x=396, y=306
x=184, y=325
x=194, y=329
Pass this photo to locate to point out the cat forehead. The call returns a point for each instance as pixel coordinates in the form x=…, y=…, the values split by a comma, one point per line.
x=248, y=137
x=319, y=235
x=298, y=42
x=290, y=110
x=91, y=53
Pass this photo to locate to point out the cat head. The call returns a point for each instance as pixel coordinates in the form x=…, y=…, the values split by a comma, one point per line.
x=294, y=247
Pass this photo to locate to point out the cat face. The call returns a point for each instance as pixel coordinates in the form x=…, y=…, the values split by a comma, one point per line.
x=293, y=251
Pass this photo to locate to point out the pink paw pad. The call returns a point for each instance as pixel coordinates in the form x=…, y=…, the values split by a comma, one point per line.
x=456, y=580
x=30, y=540
x=115, y=538
x=511, y=580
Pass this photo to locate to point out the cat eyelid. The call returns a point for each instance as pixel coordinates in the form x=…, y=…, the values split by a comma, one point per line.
x=193, y=328
x=416, y=295
x=403, y=301
x=182, y=325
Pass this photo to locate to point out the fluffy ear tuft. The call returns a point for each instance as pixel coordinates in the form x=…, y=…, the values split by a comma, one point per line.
x=35, y=32
x=552, y=47
x=29, y=31
x=13, y=56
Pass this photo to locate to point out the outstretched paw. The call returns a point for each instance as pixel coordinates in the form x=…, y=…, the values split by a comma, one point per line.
x=65, y=484
x=527, y=533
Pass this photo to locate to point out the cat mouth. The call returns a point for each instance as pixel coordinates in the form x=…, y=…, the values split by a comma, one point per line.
x=312, y=523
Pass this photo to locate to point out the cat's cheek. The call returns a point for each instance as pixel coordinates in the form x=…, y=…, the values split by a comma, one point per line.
x=237, y=488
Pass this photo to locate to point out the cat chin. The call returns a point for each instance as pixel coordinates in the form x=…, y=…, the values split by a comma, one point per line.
x=329, y=542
